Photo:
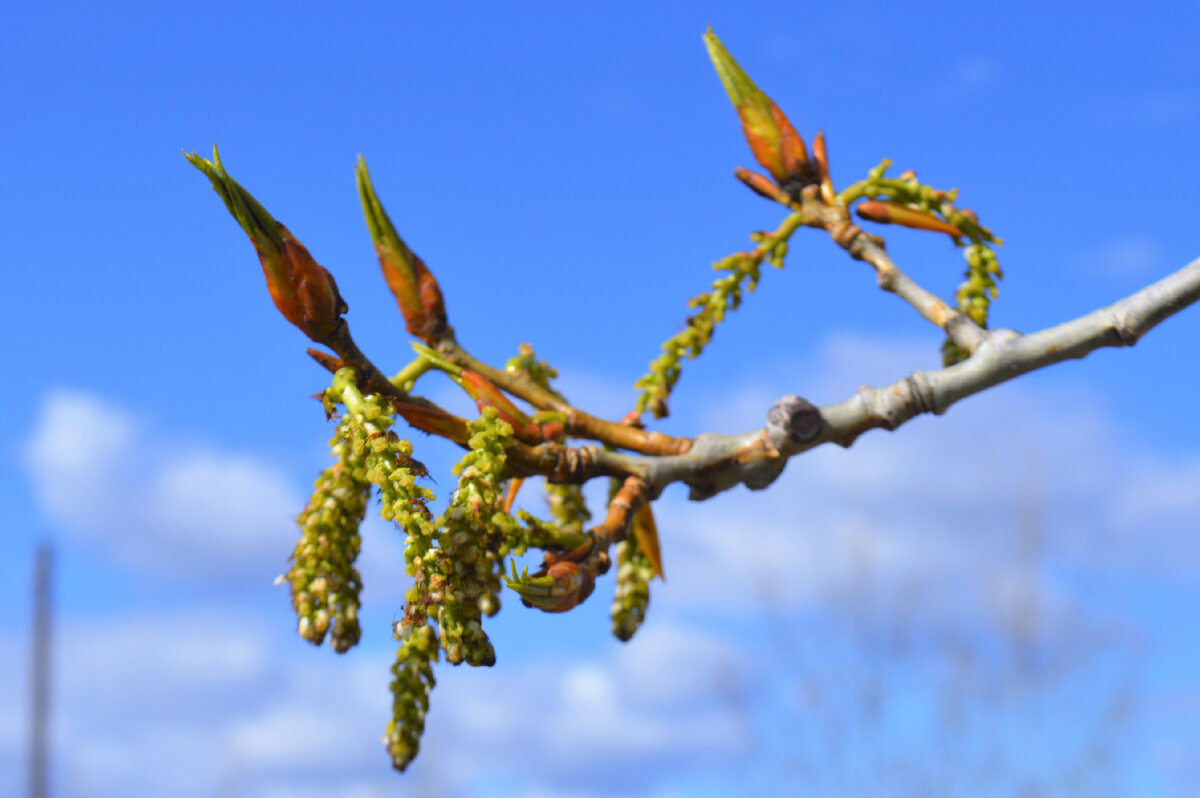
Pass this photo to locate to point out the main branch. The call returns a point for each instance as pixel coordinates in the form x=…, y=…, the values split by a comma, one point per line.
x=719, y=462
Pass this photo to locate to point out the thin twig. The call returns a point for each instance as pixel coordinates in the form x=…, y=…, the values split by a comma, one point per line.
x=578, y=423
x=959, y=327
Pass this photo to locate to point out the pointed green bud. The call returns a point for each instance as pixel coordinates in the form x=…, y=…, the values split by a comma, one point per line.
x=303, y=290
x=253, y=217
x=417, y=293
x=775, y=143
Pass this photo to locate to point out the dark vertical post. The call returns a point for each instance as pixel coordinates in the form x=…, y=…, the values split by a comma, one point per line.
x=41, y=671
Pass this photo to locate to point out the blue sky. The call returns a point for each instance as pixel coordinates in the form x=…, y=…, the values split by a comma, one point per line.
x=992, y=601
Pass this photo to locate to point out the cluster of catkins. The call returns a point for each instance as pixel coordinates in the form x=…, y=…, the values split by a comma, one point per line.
x=455, y=580
x=474, y=538
x=456, y=560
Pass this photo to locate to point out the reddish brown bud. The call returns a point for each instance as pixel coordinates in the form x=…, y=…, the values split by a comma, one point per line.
x=645, y=532
x=891, y=213
x=821, y=167
x=486, y=394
x=433, y=420
x=792, y=153
x=632, y=419
x=304, y=290
x=432, y=305
x=510, y=494
x=540, y=432
x=775, y=144
x=331, y=362
x=760, y=185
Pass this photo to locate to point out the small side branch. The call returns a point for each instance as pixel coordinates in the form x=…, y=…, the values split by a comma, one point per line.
x=622, y=507
x=959, y=327
x=578, y=423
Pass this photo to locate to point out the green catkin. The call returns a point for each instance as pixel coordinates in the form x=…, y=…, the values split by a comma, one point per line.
x=474, y=538
x=325, y=584
x=634, y=572
x=538, y=372
x=412, y=682
x=568, y=507
x=743, y=272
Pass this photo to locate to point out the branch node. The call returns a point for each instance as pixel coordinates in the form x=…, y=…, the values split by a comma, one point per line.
x=1125, y=335
x=793, y=419
x=923, y=397
x=847, y=235
x=572, y=462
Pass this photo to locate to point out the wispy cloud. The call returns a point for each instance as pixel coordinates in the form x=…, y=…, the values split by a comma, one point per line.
x=976, y=72
x=1128, y=256
x=150, y=499
x=215, y=701
x=965, y=79
x=1152, y=109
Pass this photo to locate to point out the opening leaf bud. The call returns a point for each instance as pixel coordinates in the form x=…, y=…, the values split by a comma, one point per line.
x=565, y=585
x=775, y=143
x=417, y=293
x=303, y=290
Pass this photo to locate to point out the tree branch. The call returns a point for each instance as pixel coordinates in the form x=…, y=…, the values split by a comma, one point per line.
x=718, y=462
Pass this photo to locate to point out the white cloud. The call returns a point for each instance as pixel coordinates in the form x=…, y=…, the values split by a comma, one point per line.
x=142, y=497
x=181, y=703
x=227, y=701
x=614, y=722
x=292, y=735
x=78, y=443
x=221, y=502
x=671, y=664
x=307, y=787
x=186, y=657
x=1160, y=491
